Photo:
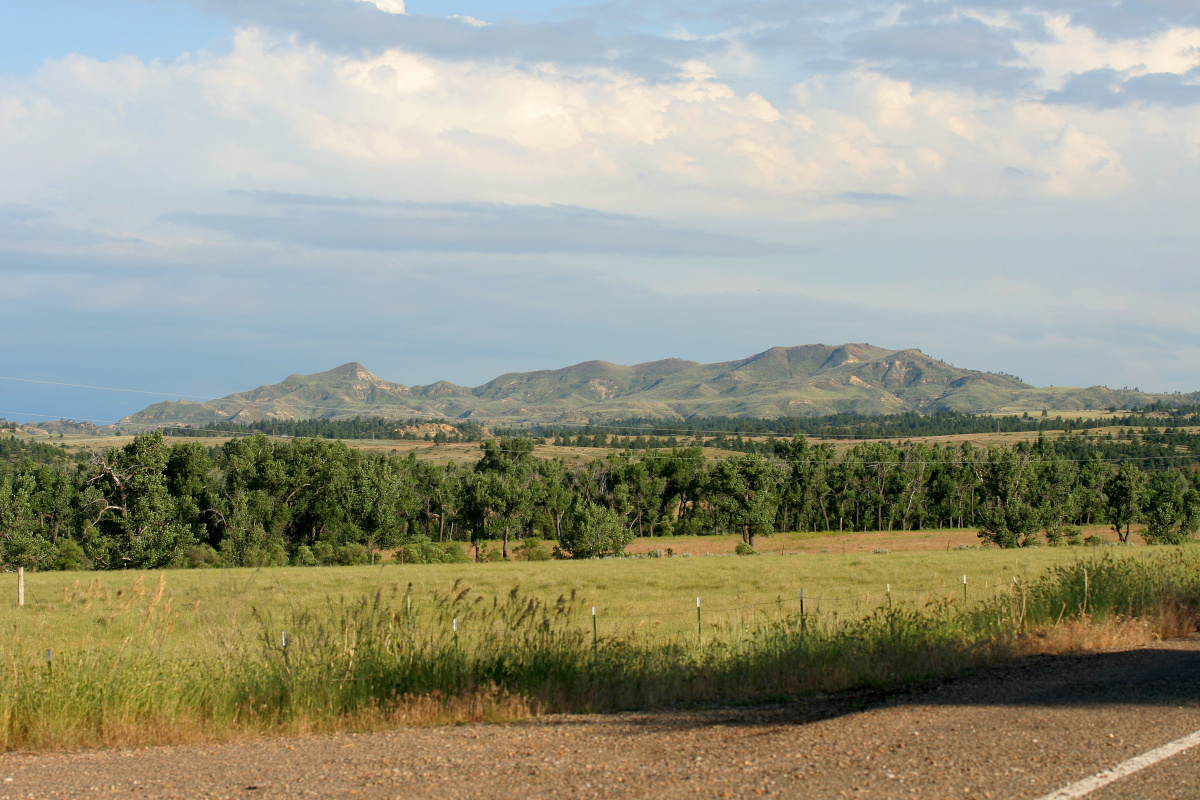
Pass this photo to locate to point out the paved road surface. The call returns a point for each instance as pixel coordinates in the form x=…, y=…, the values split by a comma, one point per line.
x=1017, y=731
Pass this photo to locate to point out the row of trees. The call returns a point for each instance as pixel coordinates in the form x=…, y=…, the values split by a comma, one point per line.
x=256, y=500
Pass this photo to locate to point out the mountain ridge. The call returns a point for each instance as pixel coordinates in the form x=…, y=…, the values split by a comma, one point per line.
x=803, y=380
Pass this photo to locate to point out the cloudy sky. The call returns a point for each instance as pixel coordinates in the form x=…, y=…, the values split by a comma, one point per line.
x=199, y=197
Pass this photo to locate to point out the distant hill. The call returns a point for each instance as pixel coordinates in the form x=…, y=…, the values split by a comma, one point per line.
x=783, y=381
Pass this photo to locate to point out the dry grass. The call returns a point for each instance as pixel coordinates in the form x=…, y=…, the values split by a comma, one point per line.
x=1089, y=634
x=383, y=660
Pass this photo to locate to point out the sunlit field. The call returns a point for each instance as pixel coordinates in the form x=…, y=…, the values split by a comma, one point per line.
x=644, y=595
x=119, y=659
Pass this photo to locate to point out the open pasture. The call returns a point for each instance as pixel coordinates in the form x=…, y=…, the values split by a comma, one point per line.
x=130, y=659
x=203, y=610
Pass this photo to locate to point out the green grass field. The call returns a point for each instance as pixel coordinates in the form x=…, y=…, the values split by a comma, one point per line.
x=645, y=596
x=125, y=659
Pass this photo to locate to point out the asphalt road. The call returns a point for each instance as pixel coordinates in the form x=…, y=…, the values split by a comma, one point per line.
x=1017, y=731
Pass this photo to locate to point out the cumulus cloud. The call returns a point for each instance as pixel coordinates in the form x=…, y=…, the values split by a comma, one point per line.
x=731, y=138
x=390, y=6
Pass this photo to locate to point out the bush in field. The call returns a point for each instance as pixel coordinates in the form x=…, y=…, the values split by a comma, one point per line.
x=744, y=549
x=323, y=553
x=453, y=553
x=484, y=554
x=201, y=556
x=533, y=550
x=424, y=551
x=354, y=554
x=592, y=531
x=304, y=557
x=71, y=556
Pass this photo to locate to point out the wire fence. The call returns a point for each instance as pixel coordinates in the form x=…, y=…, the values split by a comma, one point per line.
x=685, y=614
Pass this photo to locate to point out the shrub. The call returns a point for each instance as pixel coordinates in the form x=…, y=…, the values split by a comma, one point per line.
x=201, y=556
x=592, y=531
x=423, y=551
x=352, y=554
x=486, y=554
x=1094, y=541
x=275, y=555
x=323, y=552
x=744, y=549
x=304, y=557
x=71, y=556
x=453, y=553
x=533, y=550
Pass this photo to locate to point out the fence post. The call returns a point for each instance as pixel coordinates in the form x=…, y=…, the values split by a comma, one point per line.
x=698, y=634
x=889, y=594
x=20, y=586
x=1085, y=591
x=802, y=624
x=595, y=634
x=964, y=588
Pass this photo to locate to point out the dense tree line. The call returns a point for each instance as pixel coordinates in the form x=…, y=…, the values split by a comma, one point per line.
x=257, y=501
x=881, y=426
x=13, y=449
x=356, y=428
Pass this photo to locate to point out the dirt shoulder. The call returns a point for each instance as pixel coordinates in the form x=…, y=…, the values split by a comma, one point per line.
x=1014, y=731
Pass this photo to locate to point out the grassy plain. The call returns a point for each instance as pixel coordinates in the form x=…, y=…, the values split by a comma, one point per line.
x=129, y=659
x=644, y=596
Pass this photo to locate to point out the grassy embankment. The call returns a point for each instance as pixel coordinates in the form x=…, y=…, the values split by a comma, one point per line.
x=192, y=656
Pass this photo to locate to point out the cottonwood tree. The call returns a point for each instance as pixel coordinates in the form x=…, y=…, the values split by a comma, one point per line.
x=1007, y=514
x=1172, y=512
x=1124, y=495
x=745, y=493
x=136, y=521
x=593, y=531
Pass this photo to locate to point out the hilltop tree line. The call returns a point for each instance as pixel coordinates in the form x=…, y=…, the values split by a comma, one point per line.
x=1157, y=437
x=258, y=501
x=883, y=426
x=650, y=432
x=356, y=428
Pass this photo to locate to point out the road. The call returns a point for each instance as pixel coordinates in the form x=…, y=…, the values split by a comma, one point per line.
x=1021, y=730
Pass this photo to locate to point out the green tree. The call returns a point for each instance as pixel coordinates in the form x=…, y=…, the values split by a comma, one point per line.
x=1124, y=495
x=1007, y=515
x=21, y=541
x=137, y=521
x=593, y=531
x=1172, y=512
x=746, y=494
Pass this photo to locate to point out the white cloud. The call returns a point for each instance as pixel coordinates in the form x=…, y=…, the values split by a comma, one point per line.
x=276, y=114
x=1075, y=49
x=390, y=6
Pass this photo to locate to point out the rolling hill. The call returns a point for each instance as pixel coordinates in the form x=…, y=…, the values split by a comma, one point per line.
x=782, y=381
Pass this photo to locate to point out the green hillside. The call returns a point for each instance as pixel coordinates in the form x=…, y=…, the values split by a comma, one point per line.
x=782, y=381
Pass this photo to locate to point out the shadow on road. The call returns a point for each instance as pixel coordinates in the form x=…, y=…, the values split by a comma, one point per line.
x=1158, y=676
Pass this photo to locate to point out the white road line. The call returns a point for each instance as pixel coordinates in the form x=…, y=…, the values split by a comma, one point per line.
x=1089, y=785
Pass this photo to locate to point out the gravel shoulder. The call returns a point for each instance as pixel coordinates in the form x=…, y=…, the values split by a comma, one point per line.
x=1019, y=730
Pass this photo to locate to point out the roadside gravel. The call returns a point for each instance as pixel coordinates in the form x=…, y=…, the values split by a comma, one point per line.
x=1015, y=731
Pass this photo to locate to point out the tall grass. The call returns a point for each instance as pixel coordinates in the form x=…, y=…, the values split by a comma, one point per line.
x=386, y=659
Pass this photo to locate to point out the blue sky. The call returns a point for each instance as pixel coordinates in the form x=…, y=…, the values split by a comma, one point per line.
x=199, y=196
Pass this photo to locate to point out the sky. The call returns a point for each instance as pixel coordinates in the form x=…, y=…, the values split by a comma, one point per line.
x=201, y=196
